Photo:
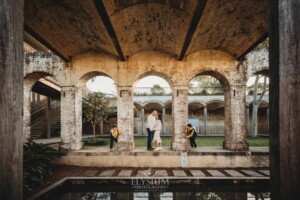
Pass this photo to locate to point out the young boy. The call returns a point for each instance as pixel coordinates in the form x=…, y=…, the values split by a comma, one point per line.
x=115, y=132
x=191, y=134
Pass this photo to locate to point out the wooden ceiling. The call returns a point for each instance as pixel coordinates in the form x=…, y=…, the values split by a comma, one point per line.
x=123, y=28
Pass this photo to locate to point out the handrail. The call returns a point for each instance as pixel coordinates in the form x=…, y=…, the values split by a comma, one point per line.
x=39, y=119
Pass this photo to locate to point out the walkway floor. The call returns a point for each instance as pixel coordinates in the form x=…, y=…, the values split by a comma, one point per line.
x=199, y=149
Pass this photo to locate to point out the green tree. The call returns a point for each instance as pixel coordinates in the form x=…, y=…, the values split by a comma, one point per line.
x=95, y=108
x=205, y=85
x=157, y=90
x=257, y=99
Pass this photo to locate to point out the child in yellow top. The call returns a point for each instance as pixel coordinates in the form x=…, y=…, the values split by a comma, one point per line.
x=191, y=134
x=115, y=132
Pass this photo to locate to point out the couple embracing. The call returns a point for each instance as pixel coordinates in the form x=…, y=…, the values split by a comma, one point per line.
x=153, y=129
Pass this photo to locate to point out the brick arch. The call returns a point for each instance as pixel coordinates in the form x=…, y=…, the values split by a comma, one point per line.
x=84, y=77
x=39, y=62
x=32, y=78
x=216, y=74
x=162, y=75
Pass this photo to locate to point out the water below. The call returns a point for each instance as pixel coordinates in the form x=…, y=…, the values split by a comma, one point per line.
x=164, y=191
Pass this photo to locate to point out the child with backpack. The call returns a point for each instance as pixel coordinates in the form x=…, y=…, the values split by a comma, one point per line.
x=191, y=134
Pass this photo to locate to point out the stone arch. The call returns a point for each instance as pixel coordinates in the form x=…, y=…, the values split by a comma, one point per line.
x=221, y=77
x=40, y=62
x=153, y=73
x=83, y=78
x=30, y=79
x=216, y=74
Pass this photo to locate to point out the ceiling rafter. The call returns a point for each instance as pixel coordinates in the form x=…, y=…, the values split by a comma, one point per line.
x=107, y=23
x=44, y=42
x=194, y=23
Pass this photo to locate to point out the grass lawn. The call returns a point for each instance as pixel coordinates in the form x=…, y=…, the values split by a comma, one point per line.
x=205, y=141
x=201, y=142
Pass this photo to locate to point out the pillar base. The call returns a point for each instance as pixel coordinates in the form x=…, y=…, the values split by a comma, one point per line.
x=125, y=146
x=71, y=146
x=239, y=146
x=180, y=145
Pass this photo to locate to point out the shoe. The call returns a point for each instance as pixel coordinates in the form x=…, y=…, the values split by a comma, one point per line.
x=149, y=149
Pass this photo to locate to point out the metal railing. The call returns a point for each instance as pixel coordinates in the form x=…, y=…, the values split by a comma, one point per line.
x=168, y=130
x=167, y=91
x=39, y=114
x=206, y=91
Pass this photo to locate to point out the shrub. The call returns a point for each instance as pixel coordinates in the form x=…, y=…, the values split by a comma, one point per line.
x=95, y=142
x=37, y=164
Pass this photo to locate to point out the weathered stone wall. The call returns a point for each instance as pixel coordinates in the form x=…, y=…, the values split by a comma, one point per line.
x=125, y=74
x=257, y=62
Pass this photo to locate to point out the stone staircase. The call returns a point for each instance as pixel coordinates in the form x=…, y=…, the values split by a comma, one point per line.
x=39, y=124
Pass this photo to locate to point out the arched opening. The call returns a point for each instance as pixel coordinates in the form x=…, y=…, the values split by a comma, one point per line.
x=257, y=111
x=41, y=106
x=99, y=107
x=208, y=95
x=150, y=92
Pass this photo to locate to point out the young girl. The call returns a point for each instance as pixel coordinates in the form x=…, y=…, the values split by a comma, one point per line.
x=191, y=134
x=115, y=132
x=157, y=129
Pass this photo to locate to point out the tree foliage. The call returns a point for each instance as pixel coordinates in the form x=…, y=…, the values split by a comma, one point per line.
x=205, y=85
x=157, y=90
x=257, y=99
x=95, y=108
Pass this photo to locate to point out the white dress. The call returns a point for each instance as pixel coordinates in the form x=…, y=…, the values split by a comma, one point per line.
x=157, y=129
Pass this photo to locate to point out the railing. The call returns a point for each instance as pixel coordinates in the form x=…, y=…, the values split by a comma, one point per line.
x=151, y=91
x=206, y=91
x=211, y=130
x=168, y=130
x=167, y=91
x=39, y=114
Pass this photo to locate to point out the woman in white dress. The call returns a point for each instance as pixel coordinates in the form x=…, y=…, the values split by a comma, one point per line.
x=157, y=129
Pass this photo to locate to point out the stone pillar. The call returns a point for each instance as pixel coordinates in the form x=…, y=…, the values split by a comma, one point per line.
x=142, y=120
x=11, y=100
x=247, y=121
x=71, y=118
x=268, y=116
x=125, y=118
x=27, y=109
x=163, y=121
x=235, y=119
x=284, y=99
x=48, y=122
x=205, y=120
x=180, y=117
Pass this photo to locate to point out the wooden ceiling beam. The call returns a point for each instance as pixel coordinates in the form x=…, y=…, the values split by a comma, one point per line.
x=260, y=40
x=107, y=23
x=192, y=29
x=44, y=42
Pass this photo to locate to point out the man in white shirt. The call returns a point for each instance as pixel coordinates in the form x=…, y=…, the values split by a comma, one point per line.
x=150, y=129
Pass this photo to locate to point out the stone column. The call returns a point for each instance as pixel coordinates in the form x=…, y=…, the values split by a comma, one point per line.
x=247, y=121
x=48, y=123
x=268, y=121
x=125, y=118
x=163, y=121
x=71, y=118
x=27, y=109
x=235, y=119
x=11, y=100
x=205, y=120
x=142, y=120
x=180, y=117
